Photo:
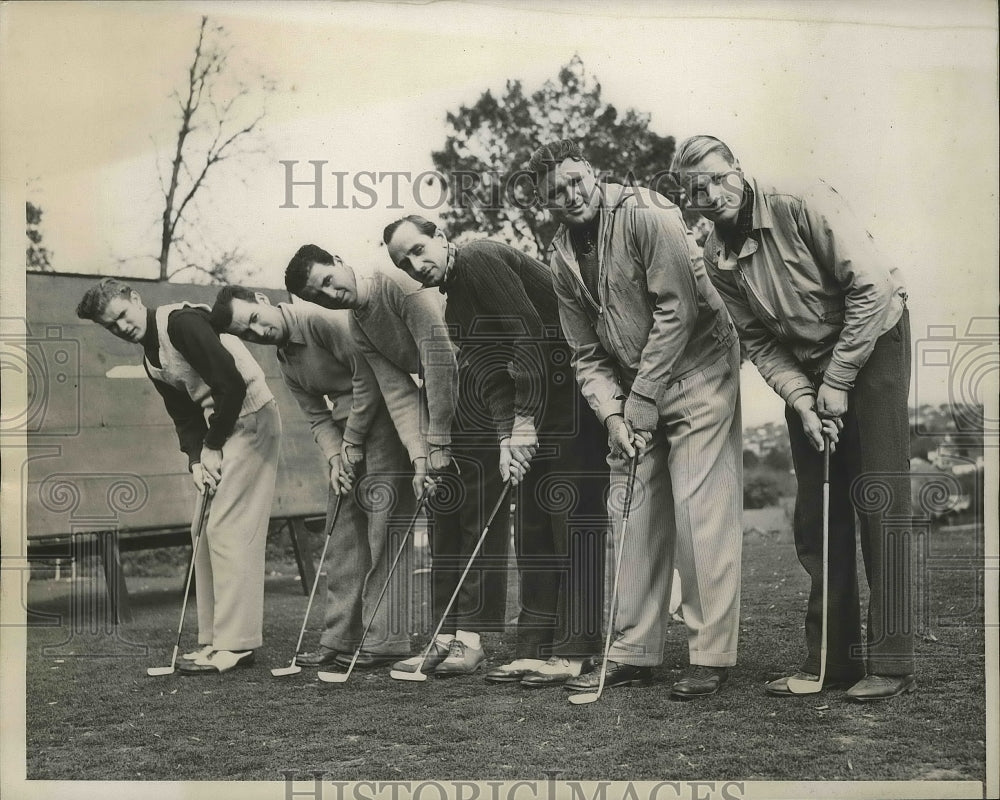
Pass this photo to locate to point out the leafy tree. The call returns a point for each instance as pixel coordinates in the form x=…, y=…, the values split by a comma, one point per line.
x=491, y=140
x=38, y=257
x=215, y=125
x=778, y=459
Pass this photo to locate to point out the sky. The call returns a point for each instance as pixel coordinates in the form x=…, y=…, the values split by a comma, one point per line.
x=893, y=103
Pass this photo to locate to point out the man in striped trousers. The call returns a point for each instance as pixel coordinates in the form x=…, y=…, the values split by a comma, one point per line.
x=657, y=358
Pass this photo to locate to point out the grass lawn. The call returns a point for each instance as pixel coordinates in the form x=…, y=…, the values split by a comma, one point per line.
x=101, y=718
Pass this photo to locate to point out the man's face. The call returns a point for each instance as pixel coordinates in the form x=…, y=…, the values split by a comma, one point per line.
x=715, y=188
x=125, y=317
x=424, y=258
x=570, y=192
x=331, y=285
x=258, y=322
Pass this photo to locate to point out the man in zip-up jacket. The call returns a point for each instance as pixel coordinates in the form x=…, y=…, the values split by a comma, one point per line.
x=823, y=318
x=657, y=358
x=228, y=425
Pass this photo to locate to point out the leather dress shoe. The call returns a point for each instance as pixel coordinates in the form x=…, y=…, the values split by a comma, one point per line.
x=218, y=662
x=461, y=660
x=323, y=656
x=437, y=654
x=881, y=687
x=779, y=687
x=702, y=682
x=555, y=672
x=365, y=660
x=617, y=675
x=514, y=671
x=202, y=652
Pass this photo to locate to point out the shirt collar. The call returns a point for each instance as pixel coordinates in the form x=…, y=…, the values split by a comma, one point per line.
x=449, y=271
x=291, y=318
x=151, y=339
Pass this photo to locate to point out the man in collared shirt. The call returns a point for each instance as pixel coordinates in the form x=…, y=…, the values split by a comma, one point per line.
x=336, y=389
x=400, y=327
x=823, y=317
x=504, y=318
x=656, y=356
x=228, y=425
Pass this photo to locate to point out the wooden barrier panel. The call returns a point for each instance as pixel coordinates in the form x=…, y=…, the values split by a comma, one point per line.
x=108, y=451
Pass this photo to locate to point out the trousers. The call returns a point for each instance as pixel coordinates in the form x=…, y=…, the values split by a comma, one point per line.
x=229, y=567
x=374, y=516
x=870, y=480
x=560, y=524
x=686, y=509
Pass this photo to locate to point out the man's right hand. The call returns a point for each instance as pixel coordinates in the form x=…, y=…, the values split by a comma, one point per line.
x=621, y=437
x=421, y=480
x=202, y=479
x=815, y=427
x=341, y=478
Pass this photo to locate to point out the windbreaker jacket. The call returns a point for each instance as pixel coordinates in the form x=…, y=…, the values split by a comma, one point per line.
x=657, y=317
x=809, y=292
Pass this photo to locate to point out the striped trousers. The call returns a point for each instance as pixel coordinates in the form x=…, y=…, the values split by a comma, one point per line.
x=686, y=512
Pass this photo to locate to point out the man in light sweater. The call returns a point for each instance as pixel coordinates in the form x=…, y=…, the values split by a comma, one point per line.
x=228, y=425
x=320, y=362
x=401, y=330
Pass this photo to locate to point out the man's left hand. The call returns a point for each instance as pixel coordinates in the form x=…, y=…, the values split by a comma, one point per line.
x=831, y=403
x=211, y=462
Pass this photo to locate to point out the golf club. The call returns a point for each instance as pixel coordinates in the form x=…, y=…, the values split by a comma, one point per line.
x=797, y=685
x=293, y=668
x=201, y=514
x=592, y=697
x=341, y=677
x=399, y=675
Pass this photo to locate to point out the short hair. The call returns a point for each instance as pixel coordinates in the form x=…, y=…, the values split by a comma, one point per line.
x=693, y=149
x=221, y=315
x=549, y=156
x=96, y=299
x=422, y=224
x=298, y=269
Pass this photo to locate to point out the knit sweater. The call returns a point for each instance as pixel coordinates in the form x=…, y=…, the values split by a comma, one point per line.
x=400, y=328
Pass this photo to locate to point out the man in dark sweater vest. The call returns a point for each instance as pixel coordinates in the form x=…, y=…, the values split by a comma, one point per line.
x=228, y=425
x=503, y=316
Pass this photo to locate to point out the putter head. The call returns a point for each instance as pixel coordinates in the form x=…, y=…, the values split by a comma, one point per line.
x=156, y=672
x=291, y=669
x=400, y=675
x=583, y=698
x=333, y=677
x=799, y=686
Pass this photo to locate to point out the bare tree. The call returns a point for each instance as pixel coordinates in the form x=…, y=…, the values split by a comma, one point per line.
x=215, y=125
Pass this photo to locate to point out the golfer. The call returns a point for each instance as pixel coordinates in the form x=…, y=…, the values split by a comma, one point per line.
x=823, y=317
x=657, y=358
x=336, y=389
x=228, y=425
x=401, y=330
x=504, y=319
